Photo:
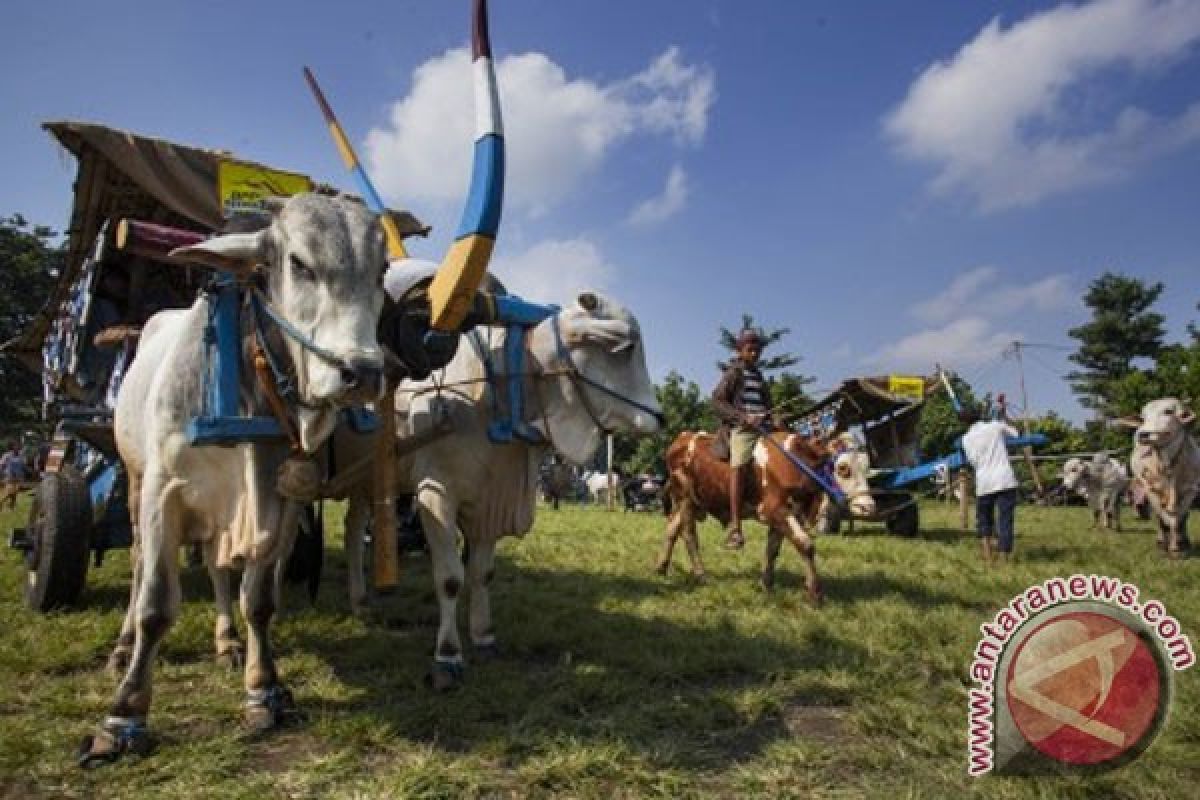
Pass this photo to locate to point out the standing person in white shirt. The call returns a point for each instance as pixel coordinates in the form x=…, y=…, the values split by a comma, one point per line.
x=995, y=482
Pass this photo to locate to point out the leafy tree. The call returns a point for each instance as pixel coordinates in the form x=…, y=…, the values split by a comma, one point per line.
x=29, y=264
x=685, y=407
x=940, y=427
x=1121, y=330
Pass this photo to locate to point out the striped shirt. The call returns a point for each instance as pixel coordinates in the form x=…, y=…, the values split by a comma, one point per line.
x=753, y=399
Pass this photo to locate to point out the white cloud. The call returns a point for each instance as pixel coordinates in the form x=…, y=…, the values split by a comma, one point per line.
x=558, y=129
x=977, y=290
x=662, y=207
x=960, y=344
x=1001, y=119
x=555, y=270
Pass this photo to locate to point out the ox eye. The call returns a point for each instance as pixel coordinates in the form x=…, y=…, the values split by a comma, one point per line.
x=843, y=470
x=301, y=270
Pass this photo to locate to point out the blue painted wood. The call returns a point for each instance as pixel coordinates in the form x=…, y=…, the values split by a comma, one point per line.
x=228, y=431
x=512, y=310
x=903, y=478
x=481, y=214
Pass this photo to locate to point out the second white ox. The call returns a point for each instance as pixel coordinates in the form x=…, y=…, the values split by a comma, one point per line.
x=586, y=374
x=1102, y=480
x=1166, y=460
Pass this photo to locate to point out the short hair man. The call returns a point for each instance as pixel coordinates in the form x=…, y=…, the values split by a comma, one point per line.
x=743, y=404
x=985, y=446
x=13, y=472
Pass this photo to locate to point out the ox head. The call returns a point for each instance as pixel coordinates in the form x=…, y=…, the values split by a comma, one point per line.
x=323, y=259
x=594, y=346
x=851, y=468
x=1161, y=423
x=1074, y=471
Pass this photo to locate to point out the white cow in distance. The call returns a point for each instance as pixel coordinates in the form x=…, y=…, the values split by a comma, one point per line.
x=598, y=485
x=1166, y=460
x=1101, y=480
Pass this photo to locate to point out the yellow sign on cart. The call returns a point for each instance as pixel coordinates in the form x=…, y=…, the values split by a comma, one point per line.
x=907, y=386
x=242, y=187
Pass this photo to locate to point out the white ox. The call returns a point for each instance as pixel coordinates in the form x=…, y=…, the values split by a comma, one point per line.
x=464, y=483
x=1102, y=480
x=1166, y=460
x=598, y=485
x=323, y=260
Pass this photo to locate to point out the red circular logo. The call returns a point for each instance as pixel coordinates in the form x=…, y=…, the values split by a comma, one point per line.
x=1084, y=688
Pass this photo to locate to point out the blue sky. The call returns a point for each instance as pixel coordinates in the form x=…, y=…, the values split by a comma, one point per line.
x=898, y=183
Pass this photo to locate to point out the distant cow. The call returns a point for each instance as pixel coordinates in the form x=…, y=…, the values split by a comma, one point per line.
x=598, y=484
x=1166, y=460
x=1102, y=480
x=781, y=496
x=557, y=482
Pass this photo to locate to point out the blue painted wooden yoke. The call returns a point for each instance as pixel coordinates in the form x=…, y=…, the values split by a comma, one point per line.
x=907, y=476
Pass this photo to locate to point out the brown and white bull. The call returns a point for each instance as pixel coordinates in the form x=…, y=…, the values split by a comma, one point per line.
x=322, y=259
x=1102, y=480
x=779, y=495
x=1166, y=460
x=586, y=376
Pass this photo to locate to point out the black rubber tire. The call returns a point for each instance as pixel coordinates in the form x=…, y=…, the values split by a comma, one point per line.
x=60, y=523
x=905, y=522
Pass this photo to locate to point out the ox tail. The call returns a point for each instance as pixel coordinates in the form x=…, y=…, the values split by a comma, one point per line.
x=453, y=289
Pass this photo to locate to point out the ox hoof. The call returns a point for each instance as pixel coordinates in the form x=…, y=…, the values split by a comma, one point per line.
x=661, y=568
x=267, y=709
x=767, y=583
x=445, y=676
x=700, y=577
x=118, y=662
x=487, y=652
x=816, y=597
x=113, y=740
x=232, y=658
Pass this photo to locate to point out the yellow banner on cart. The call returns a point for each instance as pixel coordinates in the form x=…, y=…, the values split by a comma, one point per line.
x=242, y=187
x=907, y=386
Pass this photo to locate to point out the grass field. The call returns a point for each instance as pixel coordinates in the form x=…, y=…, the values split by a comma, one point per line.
x=613, y=682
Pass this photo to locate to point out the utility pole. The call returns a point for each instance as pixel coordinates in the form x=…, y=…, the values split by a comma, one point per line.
x=1037, y=479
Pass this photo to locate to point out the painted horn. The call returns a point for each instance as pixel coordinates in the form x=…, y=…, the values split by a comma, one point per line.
x=395, y=242
x=453, y=289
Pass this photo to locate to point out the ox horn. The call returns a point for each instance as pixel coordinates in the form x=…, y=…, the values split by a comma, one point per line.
x=453, y=289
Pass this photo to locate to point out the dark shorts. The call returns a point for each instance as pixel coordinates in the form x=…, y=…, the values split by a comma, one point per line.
x=994, y=517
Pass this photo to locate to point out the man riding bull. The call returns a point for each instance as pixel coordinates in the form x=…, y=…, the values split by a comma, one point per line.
x=743, y=404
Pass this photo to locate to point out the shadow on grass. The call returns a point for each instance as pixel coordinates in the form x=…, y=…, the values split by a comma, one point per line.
x=575, y=669
x=850, y=589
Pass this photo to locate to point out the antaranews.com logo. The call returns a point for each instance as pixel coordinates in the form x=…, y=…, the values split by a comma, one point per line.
x=1073, y=672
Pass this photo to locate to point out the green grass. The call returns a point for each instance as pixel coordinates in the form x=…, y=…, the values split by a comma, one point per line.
x=613, y=682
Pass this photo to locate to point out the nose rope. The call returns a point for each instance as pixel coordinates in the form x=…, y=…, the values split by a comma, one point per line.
x=261, y=306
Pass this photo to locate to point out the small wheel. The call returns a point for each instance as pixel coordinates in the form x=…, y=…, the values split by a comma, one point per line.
x=60, y=522
x=905, y=522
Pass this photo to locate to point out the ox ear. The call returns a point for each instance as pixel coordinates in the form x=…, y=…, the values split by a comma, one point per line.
x=233, y=252
x=1188, y=416
x=1133, y=422
x=588, y=302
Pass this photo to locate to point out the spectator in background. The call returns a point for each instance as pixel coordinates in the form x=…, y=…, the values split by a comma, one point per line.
x=14, y=473
x=986, y=450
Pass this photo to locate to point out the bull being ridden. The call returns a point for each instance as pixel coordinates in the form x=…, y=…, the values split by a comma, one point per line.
x=772, y=476
x=775, y=490
x=312, y=343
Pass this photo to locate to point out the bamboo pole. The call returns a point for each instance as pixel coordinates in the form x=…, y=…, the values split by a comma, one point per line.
x=612, y=505
x=964, y=499
x=385, y=559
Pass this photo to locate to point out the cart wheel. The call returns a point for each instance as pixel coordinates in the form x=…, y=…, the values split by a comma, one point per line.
x=905, y=522
x=308, y=554
x=60, y=522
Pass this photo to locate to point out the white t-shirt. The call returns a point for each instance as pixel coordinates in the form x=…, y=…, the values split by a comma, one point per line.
x=987, y=452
